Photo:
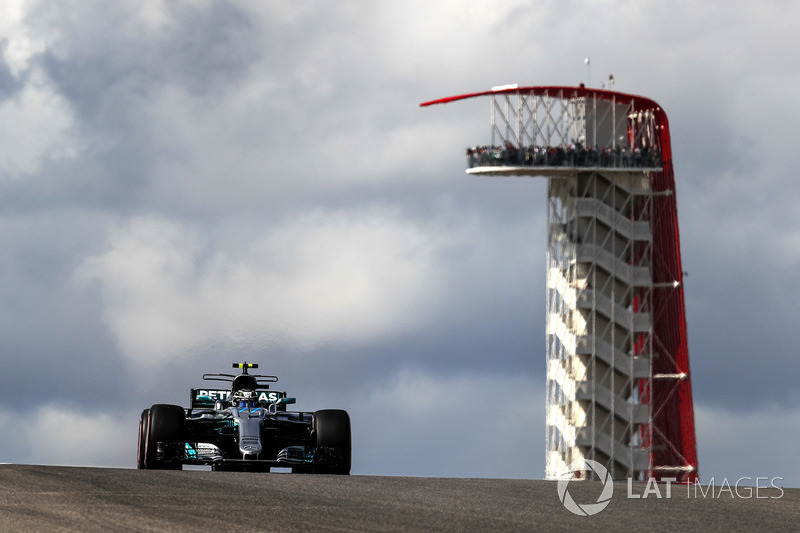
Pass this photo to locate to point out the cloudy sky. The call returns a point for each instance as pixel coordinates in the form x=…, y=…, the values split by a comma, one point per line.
x=184, y=184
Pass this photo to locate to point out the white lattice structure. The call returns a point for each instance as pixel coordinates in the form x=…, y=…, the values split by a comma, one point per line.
x=598, y=342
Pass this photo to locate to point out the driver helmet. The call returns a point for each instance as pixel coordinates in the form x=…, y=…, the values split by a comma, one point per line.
x=245, y=395
x=244, y=388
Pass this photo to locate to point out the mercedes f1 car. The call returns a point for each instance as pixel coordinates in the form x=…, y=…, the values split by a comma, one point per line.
x=244, y=428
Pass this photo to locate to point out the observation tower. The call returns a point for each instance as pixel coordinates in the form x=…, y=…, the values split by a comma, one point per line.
x=618, y=382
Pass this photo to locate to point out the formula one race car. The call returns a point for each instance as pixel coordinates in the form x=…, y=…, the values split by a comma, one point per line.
x=246, y=428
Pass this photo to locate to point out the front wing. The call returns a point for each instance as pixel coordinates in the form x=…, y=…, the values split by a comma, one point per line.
x=198, y=453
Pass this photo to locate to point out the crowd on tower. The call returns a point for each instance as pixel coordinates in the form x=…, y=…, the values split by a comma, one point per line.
x=573, y=155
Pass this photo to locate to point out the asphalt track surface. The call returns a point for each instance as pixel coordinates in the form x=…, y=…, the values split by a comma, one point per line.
x=51, y=498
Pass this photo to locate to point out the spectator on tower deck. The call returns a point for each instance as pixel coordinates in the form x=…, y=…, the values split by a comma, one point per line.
x=571, y=155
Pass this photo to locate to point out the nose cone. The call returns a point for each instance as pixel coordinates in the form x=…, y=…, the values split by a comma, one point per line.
x=250, y=446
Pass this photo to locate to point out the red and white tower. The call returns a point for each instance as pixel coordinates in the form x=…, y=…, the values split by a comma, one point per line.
x=618, y=382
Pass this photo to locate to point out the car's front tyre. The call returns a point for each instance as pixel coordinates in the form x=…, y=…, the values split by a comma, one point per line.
x=332, y=427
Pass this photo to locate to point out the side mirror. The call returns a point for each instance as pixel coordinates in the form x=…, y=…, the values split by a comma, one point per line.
x=286, y=401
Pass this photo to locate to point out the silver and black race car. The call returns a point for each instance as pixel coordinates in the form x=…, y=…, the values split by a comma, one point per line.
x=244, y=428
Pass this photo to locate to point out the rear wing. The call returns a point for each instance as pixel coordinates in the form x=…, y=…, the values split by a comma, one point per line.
x=206, y=398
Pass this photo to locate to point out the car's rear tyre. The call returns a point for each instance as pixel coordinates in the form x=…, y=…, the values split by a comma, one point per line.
x=166, y=423
x=332, y=427
x=140, y=450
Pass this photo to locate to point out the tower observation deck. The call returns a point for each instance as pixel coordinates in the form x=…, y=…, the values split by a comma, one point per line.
x=618, y=381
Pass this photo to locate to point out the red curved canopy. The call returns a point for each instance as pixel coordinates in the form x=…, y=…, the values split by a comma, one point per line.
x=541, y=90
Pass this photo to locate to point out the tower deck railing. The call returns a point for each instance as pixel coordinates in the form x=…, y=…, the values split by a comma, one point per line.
x=571, y=156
